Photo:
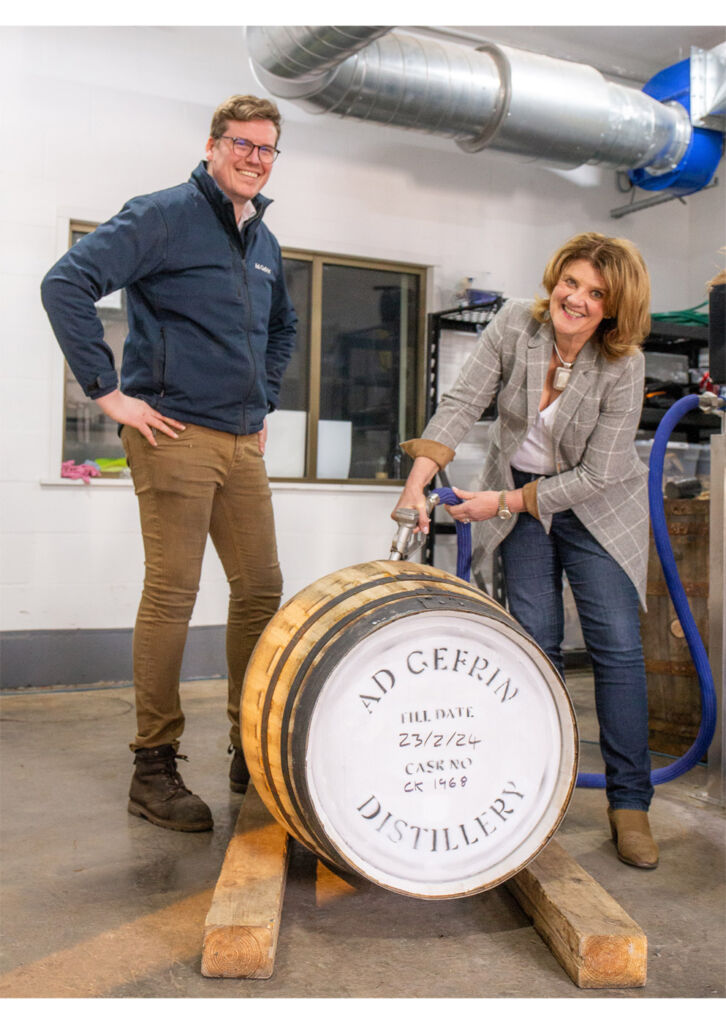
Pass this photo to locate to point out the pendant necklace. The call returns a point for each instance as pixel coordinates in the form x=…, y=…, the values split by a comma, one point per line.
x=562, y=373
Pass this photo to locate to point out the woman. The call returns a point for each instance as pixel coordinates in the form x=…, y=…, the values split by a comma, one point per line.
x=563, y=488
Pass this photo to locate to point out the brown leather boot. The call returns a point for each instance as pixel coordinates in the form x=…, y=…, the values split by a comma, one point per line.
x=158, y=792
x=239, y=773
x=631, y=832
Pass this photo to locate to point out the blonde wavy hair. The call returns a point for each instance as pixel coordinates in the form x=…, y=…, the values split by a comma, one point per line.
x=627, y=302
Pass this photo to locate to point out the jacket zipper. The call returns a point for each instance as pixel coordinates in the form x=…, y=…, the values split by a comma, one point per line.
x=245, y=424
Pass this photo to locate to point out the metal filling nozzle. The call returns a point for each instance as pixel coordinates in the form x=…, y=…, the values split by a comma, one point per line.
x=406, y=542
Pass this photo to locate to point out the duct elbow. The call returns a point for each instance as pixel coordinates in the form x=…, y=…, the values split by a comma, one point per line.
x=691, y=169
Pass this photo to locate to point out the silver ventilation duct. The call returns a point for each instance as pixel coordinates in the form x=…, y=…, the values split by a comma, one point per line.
x=299, y=52
x=519, y=102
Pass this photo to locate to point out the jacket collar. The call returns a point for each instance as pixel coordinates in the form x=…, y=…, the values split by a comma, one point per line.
x=540, y=345
x=221, y=203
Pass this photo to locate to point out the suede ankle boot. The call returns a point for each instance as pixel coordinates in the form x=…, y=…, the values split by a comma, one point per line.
x=631, y=832
x=158, y=792
x=239, y=775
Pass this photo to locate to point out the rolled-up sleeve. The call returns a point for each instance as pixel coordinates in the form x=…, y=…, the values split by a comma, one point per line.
x=439, y=453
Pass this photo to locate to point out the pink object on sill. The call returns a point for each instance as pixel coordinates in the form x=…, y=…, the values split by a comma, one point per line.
x=73, y=472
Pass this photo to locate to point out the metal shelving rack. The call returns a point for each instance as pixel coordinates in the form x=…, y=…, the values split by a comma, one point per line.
x=687, y=340
x=471, y=319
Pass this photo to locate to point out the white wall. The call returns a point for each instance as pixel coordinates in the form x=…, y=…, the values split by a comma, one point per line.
x=95, y=115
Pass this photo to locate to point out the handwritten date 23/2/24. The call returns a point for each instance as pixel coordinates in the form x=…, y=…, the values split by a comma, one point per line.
x=437, y=739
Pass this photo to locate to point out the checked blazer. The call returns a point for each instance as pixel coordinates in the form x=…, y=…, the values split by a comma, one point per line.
x=598, y=473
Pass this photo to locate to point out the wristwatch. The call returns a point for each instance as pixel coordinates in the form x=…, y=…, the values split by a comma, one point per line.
x=502, y=511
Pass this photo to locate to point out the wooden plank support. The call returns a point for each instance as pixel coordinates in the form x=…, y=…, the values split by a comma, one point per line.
x=330, y=886
x=243, y=923
x=589, y=933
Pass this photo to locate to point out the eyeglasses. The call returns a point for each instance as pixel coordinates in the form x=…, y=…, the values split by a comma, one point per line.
x=267, y=154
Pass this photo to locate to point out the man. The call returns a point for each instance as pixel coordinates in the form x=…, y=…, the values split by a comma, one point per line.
x=211, y=330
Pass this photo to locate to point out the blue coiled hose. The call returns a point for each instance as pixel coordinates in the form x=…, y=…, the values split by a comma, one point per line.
x=588, y=780
x=678, y=595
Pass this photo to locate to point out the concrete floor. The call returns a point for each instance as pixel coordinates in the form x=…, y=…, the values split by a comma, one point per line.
x=97, y=903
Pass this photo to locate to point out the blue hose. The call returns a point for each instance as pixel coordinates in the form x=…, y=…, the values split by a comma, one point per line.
x=678, y=596
x=588, y=780
x=463, y=534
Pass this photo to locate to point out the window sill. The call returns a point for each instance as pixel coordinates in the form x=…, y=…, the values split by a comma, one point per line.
x=98, y=481
x=275, y=485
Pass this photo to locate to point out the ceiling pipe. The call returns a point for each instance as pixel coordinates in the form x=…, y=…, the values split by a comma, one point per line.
x=398, y=80
x=527, y=104
x=305, y=53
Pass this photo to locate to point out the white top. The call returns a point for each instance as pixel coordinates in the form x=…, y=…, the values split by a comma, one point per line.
x=536, y=454
x=248, y=211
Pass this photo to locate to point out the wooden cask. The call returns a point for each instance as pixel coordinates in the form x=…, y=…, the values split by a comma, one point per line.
x=402, y=726
x=674, y=696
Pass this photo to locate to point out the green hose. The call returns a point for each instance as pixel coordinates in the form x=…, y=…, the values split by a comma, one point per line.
x=685, y=316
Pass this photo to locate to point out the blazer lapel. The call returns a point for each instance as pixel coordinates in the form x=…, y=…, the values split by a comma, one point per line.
x=577, y=387
x=538, y=359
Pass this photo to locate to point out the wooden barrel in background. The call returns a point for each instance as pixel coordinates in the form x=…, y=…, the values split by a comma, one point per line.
x=674, y=697
x=402, y=726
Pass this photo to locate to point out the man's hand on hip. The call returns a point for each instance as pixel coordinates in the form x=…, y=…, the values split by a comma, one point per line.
x=134, y=412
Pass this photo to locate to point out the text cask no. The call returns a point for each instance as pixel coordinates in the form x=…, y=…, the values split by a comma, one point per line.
x=401, y=725
x=674, y=696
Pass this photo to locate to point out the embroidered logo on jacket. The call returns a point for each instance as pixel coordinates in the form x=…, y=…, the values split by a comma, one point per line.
x=262, y=267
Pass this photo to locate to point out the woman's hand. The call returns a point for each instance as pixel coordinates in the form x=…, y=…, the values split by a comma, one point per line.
x=476, y=506
x=134, y=412
x=412, y=496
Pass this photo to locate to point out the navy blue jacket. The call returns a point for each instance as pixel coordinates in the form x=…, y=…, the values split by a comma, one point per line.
x=211, y=325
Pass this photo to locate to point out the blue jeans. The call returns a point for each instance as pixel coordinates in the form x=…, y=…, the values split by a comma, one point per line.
x=607, y=606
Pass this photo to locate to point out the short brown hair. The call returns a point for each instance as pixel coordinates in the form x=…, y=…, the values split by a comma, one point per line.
x=627, y=302
x=244, y=108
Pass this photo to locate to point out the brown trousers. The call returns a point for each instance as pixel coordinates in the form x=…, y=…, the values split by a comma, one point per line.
x=203, y=483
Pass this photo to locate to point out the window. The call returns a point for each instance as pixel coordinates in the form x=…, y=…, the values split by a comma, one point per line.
x=89, y=435
x=353, y=389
